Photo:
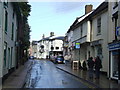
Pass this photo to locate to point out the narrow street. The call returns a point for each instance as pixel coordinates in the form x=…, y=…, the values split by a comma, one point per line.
x=44, y=74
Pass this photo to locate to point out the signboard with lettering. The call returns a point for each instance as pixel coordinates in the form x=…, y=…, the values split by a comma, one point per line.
x=114, y=46
x=77, y=45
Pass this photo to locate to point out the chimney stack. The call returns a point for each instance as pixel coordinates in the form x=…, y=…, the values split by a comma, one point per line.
x=88, y=8
x=43, y=36
x=51, y=34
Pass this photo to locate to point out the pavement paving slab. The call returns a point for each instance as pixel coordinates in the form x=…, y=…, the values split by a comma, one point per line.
x=17, y=78
x=103, y=82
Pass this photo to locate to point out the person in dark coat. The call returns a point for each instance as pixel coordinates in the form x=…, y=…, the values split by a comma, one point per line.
x=84, y=65
x=98, y=66
x=90, y=66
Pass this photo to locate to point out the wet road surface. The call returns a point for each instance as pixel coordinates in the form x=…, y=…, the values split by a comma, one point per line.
x=44, y=74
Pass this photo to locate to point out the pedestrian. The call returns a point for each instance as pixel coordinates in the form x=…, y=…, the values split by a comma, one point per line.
x=98, y=66
x=90, y=67
x=80, y=67
x=84, y=65
x=66, y=59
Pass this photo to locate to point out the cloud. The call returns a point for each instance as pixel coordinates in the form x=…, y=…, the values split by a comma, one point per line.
x=64, y=7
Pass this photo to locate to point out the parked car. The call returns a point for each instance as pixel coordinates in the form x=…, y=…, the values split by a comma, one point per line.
x=59, y=59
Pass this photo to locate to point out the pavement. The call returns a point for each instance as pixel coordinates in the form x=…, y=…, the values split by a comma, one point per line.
x=103, y=82
x=17, y=78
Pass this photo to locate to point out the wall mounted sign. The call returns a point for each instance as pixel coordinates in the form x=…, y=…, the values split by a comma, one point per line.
x=114, y=46
x=77, y=45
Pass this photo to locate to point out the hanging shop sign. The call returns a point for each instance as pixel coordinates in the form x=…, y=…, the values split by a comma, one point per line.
x=77, y=45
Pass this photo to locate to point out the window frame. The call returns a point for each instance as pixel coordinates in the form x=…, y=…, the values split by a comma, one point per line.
x=99, y=26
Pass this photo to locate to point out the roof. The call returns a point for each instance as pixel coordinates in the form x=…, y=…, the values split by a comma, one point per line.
x=100, y=8
x=52, y=38
x=34, y=42
x=78, y=20
x=47, y=38
x=57, y=37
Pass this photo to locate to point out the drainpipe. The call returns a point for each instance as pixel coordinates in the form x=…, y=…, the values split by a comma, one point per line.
x=119, y=49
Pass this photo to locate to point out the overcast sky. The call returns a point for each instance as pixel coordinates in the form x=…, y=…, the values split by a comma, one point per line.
x=54, y=17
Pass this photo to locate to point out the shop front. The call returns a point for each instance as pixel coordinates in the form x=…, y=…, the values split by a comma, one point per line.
x=114, y=52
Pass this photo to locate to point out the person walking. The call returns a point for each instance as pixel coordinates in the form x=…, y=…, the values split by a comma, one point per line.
x=90, y=67
x=84, y=65
x=66, y=59
x=98, y=66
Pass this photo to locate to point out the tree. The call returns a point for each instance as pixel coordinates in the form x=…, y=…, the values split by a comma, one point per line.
x=25, y=9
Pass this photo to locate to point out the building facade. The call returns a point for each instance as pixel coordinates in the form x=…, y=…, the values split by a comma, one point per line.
x=114, y=40
x=44, y=48
x=99, y=33
x=90, y=36
x=10, y=32
x=1, y=42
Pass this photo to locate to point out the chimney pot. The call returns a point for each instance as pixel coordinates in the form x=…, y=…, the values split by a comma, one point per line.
x=88, y=8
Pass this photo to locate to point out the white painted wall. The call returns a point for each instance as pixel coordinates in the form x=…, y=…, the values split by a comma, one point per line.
x=7, y=38
x=103, y=36
x=1, y=43
x=46, y=49
x=76, y=34
x=58, y=43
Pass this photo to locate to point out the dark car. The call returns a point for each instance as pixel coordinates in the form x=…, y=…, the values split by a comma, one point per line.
x=59, y=59
x=31, y=57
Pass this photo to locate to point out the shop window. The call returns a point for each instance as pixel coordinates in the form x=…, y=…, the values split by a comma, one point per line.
x=115, y=64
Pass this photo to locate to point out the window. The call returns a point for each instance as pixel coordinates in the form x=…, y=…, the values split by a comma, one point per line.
x=81, y=30
x=115, y=4
x=5, y=53
x=52, y=48
x=6, y=21
x=114, y=63
x=13, y=14
x=11, y=56
x=8, y=58
x=116, y=24
x=12, y=36
x=57, y=47
x=5, y=3
x=99, y=26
